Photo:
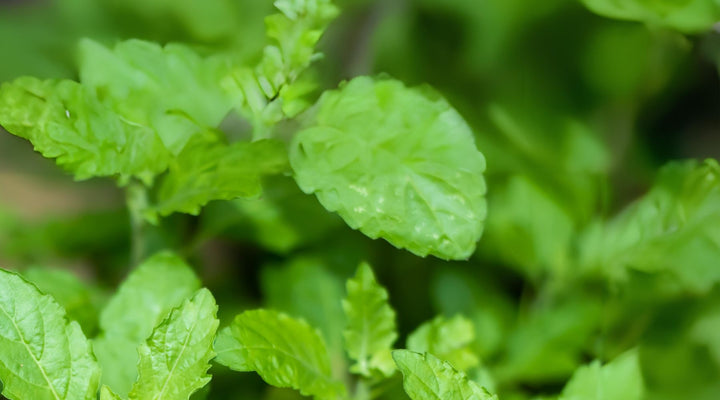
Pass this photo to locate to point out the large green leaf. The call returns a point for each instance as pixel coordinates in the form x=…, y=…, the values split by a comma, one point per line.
x=447, y=339
x=674, y=229
x=371, y=330
x=619, y=380
x=426, y=377
x=158, y=285
x=284, y=351
x=396, y=163
x=65, y=121
x=170, y=90
x=42, y=356
x=209, y=170
x=175, y=359
x=690, y=16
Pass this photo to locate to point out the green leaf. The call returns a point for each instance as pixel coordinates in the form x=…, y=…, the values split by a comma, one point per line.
x=150, y=292
x=619, y=380
x=304, y=288
x=42, y=356
x=395, y=163
x=107, y=394
x=175, y=359
x=207, y=170
x=284, y=351
x=426, y=377
x=65, y=121
x=691, y=16
x=371, y=329
x=275, y=89
x=447, y=339
x=170, y=90
x=73, y=295
x=674, y=229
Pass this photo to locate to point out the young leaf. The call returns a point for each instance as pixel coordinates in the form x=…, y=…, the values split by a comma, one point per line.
x=157, y=286
x=293, y=33
x=284, y=351
x=107, y=394
x=447, y=339
x=371, y=329
x=426, y=377
x=619, y=380
x=208, y=170
x=396, y=163
x=64, y=120
x=175, y=359
x=42, y=356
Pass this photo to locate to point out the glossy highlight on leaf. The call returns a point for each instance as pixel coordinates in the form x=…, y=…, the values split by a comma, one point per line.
x=42, y=355
x=396, y=163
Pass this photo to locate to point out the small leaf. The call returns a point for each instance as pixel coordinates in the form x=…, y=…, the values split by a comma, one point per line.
x=107, y=394
x=175, y=359
x=425, y=377
x=370, y=329
x=207, y=170
x=284, y=351
x=42, y=356
x=619, y=380
x=447, y=339
x=395, y=163
x=146, y=297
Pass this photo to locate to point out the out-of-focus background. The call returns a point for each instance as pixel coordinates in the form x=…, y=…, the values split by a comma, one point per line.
x=574, y=111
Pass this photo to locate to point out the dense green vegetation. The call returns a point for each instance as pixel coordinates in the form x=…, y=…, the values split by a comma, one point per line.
x=358, y=199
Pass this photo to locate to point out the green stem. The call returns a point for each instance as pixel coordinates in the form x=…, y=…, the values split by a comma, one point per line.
x=136, y=198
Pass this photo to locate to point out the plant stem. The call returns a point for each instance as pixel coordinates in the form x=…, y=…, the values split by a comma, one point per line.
x=137, y=202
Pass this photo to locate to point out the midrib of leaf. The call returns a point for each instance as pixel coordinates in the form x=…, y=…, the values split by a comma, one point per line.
x=42, y=370
x=177, y=360
x=365, y=330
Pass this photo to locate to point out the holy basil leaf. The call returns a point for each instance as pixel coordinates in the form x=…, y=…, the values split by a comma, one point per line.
x=42, y=356
x=619, y=380
x=447, y=339
x=293, y=34
x=396, y=163
x=689, y=16
x=674, y=229
x=426, y=377
x=371, y=330
x=107, y=394
x=145, y=298
x=170, y=89
x=208, y=170
x=175, y=359
x=284, y=351
x=65, y=121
